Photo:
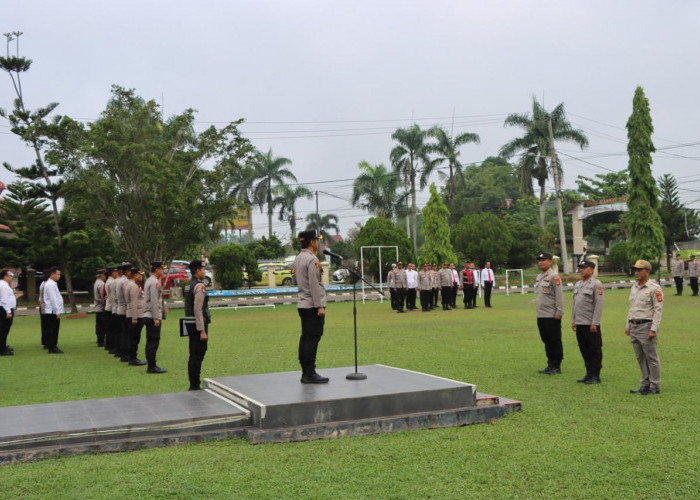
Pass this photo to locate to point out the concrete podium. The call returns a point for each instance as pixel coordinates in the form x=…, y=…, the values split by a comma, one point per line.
x=270, y=407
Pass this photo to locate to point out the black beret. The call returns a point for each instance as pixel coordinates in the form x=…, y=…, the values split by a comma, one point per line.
x=586, y=263
x=544, y=256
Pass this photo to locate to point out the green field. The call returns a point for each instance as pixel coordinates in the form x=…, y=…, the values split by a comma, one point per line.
x=570, y=441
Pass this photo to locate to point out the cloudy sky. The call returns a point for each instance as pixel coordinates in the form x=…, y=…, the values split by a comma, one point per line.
x=325, y=82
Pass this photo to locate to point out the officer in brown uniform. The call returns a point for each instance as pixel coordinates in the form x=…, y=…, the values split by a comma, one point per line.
x=401, y=286
x=678, y=267
x=197, y=307
x=135, y=305
x=643, y=319
x=446, y=286
x=311, y=305
x=98, y=293
x=391, y=283
x=109, y=309
x=434, y=285
x=153, y=315
x=550, y=309
x=693, y=274
x=424, y=288
x=589, y=298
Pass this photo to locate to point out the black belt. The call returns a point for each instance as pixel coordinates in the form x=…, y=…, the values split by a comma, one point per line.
x=640, y=321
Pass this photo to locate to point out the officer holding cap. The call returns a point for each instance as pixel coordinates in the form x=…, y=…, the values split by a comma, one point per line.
x=589, y=297
x=197, y=306
x=311, y=305
x=550, y=309
x=643, y=319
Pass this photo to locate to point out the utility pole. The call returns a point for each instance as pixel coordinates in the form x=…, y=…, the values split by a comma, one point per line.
x=317, y=216
x=554, y=162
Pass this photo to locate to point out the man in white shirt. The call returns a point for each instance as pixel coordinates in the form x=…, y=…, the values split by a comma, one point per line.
x=487, y=281
x=8, y=304
x=53, y=308
x=411, y=284
x=455, y=285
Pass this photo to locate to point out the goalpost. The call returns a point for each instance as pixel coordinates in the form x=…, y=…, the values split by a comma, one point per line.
x=362, y=266
x=522, y=281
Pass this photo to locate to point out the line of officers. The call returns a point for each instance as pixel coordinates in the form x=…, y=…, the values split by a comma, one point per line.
x=431, y=283
x=124, y=305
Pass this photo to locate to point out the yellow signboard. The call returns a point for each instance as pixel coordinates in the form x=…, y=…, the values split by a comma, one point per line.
x=242, y=219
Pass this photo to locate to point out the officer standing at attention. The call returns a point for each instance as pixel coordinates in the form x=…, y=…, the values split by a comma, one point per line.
x=98, y=292
x=53, y=308
x=446, y=286
x=589, y=297
x=8, y=304
x=153, y=315
x=411, y=286
x=487, y=281
x=550, y=309
x=135, y=306
x=693, y=275
x=311, y=305
x=424, y=289
x=678, y=268
x=109, y=313
x=197, y=306
x=120, y=286
x=643, y=319
x=401, y=287
x=434, y=285
x=391, y=283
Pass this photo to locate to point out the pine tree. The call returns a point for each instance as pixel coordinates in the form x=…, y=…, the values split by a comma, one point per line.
x=436, y=229
x=646, y=236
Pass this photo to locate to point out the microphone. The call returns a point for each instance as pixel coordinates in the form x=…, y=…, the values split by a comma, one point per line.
x=334, y=255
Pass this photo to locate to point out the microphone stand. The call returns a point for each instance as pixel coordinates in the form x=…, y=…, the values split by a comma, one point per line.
x=355, y=375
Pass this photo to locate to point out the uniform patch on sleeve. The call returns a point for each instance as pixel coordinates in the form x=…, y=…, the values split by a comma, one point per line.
x=317, y=264
x=600, y=290
x=557, y=280
x=659, y=296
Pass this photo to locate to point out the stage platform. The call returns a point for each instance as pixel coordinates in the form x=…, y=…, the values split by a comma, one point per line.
x=271, y=407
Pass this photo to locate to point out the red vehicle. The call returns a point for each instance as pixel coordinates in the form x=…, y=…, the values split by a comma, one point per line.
x=174, y=275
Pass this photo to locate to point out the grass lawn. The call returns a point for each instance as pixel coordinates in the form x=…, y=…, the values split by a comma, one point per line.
x=570, y=440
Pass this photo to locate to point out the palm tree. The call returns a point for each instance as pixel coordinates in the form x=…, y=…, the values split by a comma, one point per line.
x=270, y=171
x=242, y=184
x=448, y=149
x=406, y=157
x=535, y=146
x=322, y=224
x=377, y=191
x=286, y=199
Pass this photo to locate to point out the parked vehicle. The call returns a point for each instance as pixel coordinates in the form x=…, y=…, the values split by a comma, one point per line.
x=174, y=275
x=284, y=274
x=208, y=273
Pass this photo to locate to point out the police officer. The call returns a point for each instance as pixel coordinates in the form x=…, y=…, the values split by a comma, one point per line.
x=678, y=268
x=120, y=294
x=467, y=285
x=153, y=315
x=135, y=305
x=643, y=319
x=445, y=286
x=98, y=292
x=109, y=310
x=455, y=286
x=8, y=304
x=391, y=283
x=693, y=275
x=550, y=309
x=401, y=286
x=197, y=306
x=311, y=305
x=424, y=289
x=411, y=286
x=589, y=297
